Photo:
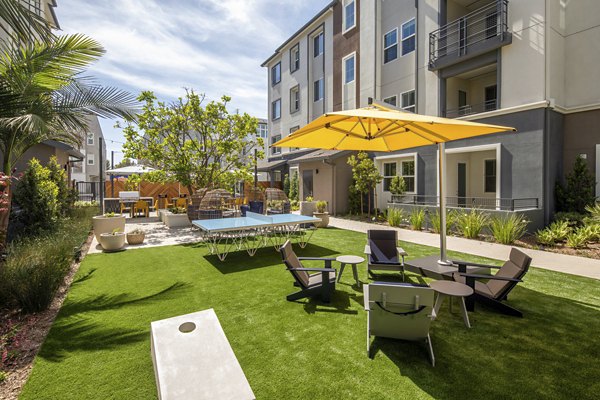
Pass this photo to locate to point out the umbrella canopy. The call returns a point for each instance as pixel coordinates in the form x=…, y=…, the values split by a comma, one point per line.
x=380, y=128
x=130, y=170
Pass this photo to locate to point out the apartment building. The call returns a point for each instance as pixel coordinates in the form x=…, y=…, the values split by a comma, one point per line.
x=521, y=63
x=89, y=168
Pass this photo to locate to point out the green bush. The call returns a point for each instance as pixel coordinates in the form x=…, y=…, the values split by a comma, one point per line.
x=554, y=233
x=417, y=219
x=508, y=229
x=397, y=185
x=286, y=185
x=579, y=191
x=573, y=218
x=577, y=239
x=594, y=214
x=353, y=200
x=590, y=232
x=35, y=266
x=436, y=224
x=472, y=223
x=294, y=182
x=545, y=237
x=66, y=195
x=395, y=216
x=37, y=196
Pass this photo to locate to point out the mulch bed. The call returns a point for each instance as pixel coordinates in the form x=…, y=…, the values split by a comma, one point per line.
x=24, y=335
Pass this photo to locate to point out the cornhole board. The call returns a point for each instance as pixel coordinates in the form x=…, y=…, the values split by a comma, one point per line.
x=193, y=359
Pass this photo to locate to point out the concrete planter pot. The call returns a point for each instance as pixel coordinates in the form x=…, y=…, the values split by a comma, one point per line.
x=112, y=242
x=176, y=220
x=308, y=208
x=324, y=217
x=104, y=224
x=161, y=215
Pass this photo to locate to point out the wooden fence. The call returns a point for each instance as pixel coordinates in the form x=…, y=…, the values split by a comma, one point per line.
x=147, y=189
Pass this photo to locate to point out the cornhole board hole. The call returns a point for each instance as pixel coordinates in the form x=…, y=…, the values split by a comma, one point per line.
x=193, y=359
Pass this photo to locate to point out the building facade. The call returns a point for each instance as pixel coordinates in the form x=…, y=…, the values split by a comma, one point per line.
x=88, y=169
x=521, y=63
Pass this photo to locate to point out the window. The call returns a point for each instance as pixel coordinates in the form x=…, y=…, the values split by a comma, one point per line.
x=408, y=173
x=408, y=100
x=295, y=99
x=318, y=44
x=275, y=139
x=389, y=172
x=90, y=159
x=319, y=89
x=393, y=100
x=349, y=14
x=390, y=46
x=491, y=94
x=261, y=131
x=276, y=74
x=292, y=130
x=295, y=58
x=349, y=69
x=490, y=176
x=408, y=37
x=276, y=109
x=90, y=139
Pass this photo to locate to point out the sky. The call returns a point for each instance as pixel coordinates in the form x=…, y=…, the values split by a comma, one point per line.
x=215, y=47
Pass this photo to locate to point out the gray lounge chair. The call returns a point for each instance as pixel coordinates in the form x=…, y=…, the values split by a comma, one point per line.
x=498, y=286
x=320, y=283
x=383, y=252
x=399, y=311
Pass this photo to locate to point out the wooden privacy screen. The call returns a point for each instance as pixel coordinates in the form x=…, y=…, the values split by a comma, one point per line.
x=147, y=189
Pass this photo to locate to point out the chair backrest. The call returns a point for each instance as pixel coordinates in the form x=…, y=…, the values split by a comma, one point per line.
x=292, y=263
x=181, y=202
x=129, y=195
x=141, y=204
x=400, y=310
x=383, y=245
x=256, y=207
x=516, y=267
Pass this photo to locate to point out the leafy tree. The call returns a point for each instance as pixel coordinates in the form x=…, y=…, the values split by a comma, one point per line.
x=398, y=185
x=286, y=185
x=294, y=186
x=126, y=162
x=579, y=192
x=365, y=175
x=66, y=195
x=133, y=182
x=200, y=145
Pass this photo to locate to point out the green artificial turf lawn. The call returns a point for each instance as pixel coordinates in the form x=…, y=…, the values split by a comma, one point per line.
x=99, y=346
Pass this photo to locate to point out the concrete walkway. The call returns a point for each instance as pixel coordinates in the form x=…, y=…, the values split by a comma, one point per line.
x=574, y=265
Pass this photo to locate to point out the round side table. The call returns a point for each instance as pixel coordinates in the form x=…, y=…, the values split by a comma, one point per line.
x=452, y=289
x=351, y=260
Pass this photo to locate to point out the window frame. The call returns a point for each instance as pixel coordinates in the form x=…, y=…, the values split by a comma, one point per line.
x=90, y=135
x=413, y=176
x=390, y=46
x=273, y=82
x=292, y=130
x=273, y=118
x=413, y=106
x=295, y=89
x=321, y=90
x=395, y=97
x=345, y=4
x=321, y=42
x=485, y=175
x=294, y=50
x=90, y=157
x=344, y=68
x=387, y=179
x=275, y=139
x=412, y=35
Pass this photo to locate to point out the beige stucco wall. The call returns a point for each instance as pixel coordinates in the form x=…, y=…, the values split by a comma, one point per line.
x=330, y=183
x=42, y=153
x=475, y=172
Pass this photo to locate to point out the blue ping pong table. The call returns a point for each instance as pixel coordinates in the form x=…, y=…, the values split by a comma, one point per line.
x=254, y=231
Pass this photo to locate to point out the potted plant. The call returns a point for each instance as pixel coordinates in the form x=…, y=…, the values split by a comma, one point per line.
x=308, y=206
x=322, y=214
x=112, y=241
x=176, y=217
x=136, y=236
x=107, y=223
x=397, y=188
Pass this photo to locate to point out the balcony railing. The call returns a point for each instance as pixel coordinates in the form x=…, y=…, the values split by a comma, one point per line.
x=485, y=203
x=469, y=109
x=479, y=31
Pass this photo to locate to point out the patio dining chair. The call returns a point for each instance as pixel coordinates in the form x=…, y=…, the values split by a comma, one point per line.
x=181, y=202
x=399, y=310
x=383, y=251
x=141, y=206
x=321, y=282
x=498, y=286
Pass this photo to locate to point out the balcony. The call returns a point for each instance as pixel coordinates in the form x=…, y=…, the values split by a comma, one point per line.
x=472, y=92
x=469, y=36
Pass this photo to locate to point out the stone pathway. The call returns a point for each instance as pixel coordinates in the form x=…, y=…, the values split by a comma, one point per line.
x=567, y=264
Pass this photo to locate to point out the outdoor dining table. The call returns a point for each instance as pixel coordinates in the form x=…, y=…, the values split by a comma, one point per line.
x=131, y=202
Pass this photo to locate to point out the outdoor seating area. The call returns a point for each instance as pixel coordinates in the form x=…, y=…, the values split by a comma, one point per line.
x=276, y=310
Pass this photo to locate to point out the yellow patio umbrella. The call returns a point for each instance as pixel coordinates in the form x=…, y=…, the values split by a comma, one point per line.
x=379, y=128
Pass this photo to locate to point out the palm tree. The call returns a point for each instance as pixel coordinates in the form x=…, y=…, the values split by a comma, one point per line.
x=21, y=24
x=44, y=96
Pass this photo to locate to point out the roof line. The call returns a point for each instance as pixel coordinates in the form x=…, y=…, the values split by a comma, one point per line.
x=306, y=25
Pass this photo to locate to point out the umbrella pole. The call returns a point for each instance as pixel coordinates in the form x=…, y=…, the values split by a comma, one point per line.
x=442, y=189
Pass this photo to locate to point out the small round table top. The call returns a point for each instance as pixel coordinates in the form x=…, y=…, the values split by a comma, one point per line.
x=451, y=288
x=349, y=259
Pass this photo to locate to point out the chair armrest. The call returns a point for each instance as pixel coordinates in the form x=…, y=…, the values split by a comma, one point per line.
x=498, y=278
x=367, y=249
x=366, y=296
x=316, y=258
x=401, y=251
x=314, y=269
x=456, y=263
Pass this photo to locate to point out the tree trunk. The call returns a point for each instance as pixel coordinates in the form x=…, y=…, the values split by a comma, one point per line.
x=5, y=202
x=369, y=203
x=362, y=210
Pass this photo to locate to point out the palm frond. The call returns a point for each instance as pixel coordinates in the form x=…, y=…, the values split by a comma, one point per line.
x=22, y=25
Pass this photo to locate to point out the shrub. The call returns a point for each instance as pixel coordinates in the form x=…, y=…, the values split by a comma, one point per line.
x=294, y=205
x=471, y=224
x=594, y=214
x=286, y=185
x=321, y=206
x=397, y=185
x=508, y=229
x=573, y=218
x=353, y=200
x=435, y=219
x=417, y=218
x=545, y=237
x=66, y=195
x=590, y=232
x=37, y=196
x=294, y=182
x=395, y=216
x=560, y=230
x=579, y=192
x=577, y=239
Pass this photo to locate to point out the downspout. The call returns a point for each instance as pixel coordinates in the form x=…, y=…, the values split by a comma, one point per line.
x=417, y=56
x=375, y=36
